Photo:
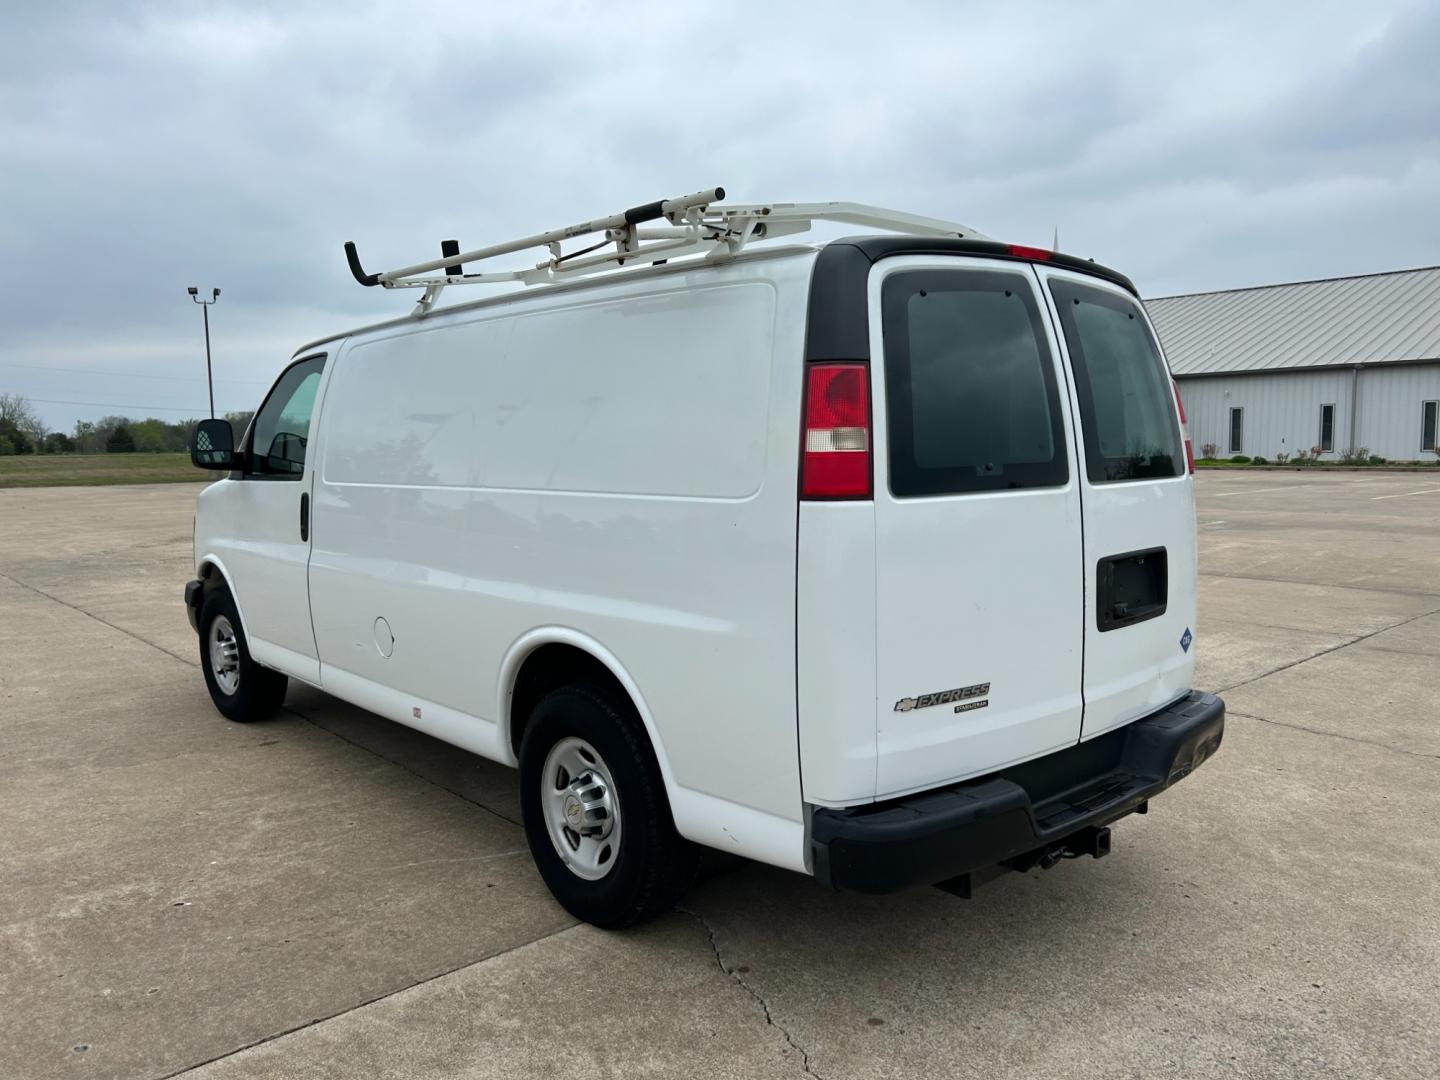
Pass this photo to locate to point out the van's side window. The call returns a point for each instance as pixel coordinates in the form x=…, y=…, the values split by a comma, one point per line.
x=281, y=429
x=1127, y=408
x=970, y=388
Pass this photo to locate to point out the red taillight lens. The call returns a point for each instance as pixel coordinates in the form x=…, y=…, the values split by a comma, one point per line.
x=1184, y=428
x=835, y=455
x=1020, y=251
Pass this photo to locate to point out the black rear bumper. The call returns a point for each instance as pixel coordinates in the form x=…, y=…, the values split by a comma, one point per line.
x=947, y=832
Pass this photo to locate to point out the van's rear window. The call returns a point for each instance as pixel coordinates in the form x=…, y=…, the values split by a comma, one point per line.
x=971, y=398
x=1127, y=408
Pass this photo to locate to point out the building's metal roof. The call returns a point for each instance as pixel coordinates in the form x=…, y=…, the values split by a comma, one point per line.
x=1374, y=319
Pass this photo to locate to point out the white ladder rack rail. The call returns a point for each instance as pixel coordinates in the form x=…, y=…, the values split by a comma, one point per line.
x=695, y=227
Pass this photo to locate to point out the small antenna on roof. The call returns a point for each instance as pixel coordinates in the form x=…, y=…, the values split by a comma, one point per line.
x=1055, y=243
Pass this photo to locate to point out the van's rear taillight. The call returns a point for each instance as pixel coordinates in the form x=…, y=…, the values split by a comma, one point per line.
x=1184, y=428
x=835, y=454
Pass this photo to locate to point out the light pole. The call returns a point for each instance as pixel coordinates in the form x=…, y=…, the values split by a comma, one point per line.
x=205, y=310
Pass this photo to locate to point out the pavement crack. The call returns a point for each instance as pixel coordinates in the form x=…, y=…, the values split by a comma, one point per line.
x=1320, y=584
x=293, y=711
x=758, y=998
x=363, y=1004
x=1327, y=652
x=1333, y=735
x=103, y=622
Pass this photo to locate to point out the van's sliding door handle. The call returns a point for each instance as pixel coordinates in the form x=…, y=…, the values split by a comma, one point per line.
x=305, y=515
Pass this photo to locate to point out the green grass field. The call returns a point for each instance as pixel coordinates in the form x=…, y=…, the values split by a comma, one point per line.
x=69, y=470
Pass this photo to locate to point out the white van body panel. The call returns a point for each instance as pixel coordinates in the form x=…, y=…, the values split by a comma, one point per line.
x=1135, y=670
x=251, y=529
x=835, y=651
x=482, y=478
x=252, y=532
x=465, y=730
x=975, y=588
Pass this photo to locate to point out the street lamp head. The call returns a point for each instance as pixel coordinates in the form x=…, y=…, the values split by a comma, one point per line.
x=214, y=294
x=192, y=290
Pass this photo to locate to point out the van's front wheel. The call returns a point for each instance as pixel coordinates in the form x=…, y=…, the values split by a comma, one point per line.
x=596, y=816
x=240, y=688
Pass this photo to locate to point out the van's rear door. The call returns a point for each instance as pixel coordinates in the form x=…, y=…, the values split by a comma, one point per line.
x=1138, y=502
x=978, y=565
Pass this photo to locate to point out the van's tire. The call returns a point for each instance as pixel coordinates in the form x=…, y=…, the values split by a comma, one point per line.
x=588, y=730
x=241, y=689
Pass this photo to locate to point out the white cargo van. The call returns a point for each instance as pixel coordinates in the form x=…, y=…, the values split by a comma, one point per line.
x=873, y=560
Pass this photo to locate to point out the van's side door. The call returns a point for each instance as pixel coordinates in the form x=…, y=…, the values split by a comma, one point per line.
x=267, y=539
x=977, y=524
x=1138, y=503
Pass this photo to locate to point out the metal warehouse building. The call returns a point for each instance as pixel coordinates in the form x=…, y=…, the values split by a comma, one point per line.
x=1341, y=364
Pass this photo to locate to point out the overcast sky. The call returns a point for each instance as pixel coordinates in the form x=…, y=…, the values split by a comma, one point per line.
x=147, y=148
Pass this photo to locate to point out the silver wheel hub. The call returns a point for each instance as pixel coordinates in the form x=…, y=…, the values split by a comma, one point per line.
x=582, y=811
x=224, y=655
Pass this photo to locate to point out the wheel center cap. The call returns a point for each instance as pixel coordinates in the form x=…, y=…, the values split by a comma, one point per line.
x=572, y=811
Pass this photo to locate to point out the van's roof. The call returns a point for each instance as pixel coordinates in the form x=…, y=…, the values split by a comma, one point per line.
x=788, y=251
x=871, y=247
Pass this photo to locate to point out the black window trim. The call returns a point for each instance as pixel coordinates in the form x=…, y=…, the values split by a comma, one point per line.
x=244, y=472
x=1321, y=434
x=1230, y=432
x=1435, y=427
x=838, y=320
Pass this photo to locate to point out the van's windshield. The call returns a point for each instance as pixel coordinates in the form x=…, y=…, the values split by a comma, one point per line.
x=1126, y=406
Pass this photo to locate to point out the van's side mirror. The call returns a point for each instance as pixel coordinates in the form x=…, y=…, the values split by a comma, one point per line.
x=213, y=445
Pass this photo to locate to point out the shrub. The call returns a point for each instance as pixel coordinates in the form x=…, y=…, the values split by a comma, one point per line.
x=1281, y=458
x=1376, y=459
x=1302, y=457
x=1258, y=460
x=1209, y=450
x=1358, y=456
x=15, y=438
x=1240, y=459
x=120, y=441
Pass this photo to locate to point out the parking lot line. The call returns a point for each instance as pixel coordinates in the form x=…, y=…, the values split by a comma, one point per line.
x=1254, y=491
x=1405, y=494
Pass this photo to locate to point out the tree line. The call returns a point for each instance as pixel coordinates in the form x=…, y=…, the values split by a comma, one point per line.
x=23, y=432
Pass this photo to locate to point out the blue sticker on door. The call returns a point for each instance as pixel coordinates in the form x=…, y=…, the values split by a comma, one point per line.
x=1185, y=640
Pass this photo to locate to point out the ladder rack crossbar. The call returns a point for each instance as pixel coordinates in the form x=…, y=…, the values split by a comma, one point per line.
x=554, y=236
x=694, y=227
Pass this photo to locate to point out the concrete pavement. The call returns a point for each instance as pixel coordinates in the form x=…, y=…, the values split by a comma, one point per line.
x=329, y=895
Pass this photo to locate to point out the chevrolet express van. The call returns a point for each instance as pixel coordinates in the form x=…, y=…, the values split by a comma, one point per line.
x=872, y=559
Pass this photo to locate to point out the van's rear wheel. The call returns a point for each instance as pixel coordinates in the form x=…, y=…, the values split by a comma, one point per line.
x=596, y=816
x=240, y=688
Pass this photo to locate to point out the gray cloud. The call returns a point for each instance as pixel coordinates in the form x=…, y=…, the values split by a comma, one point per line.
x=144, y=148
